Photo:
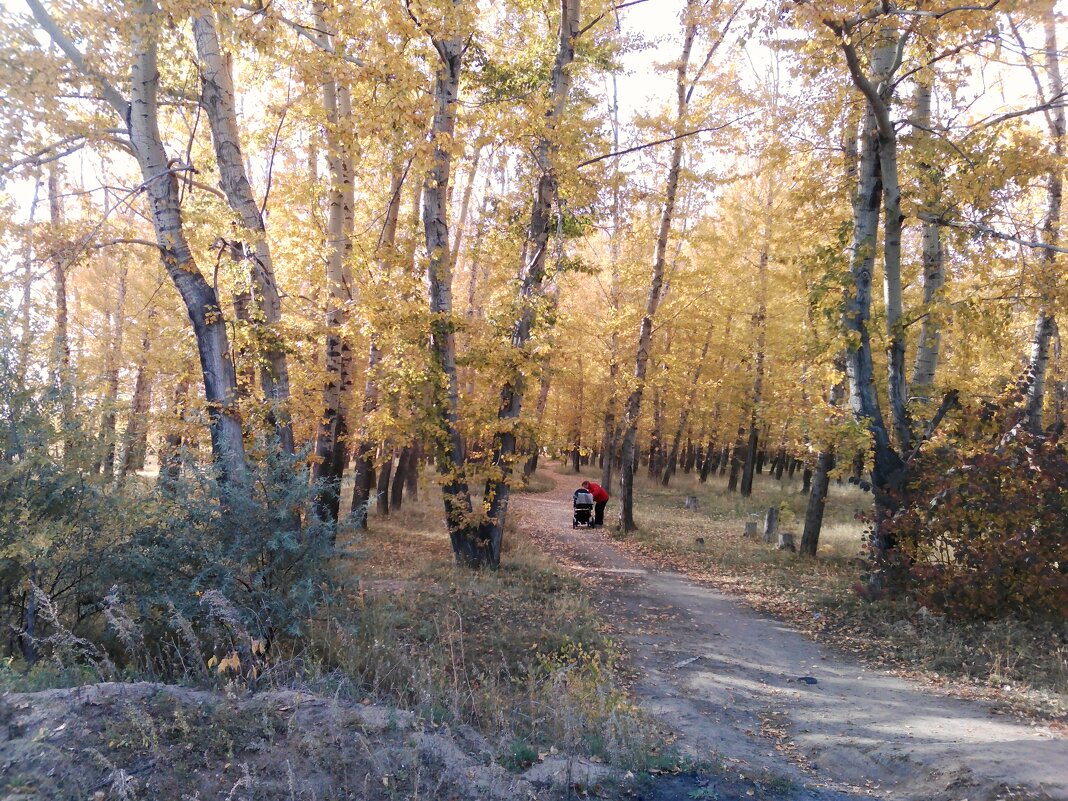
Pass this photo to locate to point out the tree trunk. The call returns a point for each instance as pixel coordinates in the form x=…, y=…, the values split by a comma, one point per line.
x=135, y=438
x=1045, y=323
x=888, y=467
x=632, y=413
x=933, y=250
x=817, y=500
x=201, y=301
x=170, y=455
x=684, y=417
x=329, y=464
x=364, y=462
x=737, y=457
x=218, y=101
x=415, y=467
x=465, y=204
x=710, y=462
x=655, y=446
x=806, y=480
x=111, y=373
x=400, y=476
x=60, y=361
x=532, y=278
x=385, y=471
x=466, y=546
x=761, y=327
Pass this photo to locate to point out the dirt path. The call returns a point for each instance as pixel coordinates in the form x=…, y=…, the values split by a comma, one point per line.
x=728, y=681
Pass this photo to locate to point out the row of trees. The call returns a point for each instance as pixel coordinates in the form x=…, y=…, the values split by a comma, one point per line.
x=428, y=228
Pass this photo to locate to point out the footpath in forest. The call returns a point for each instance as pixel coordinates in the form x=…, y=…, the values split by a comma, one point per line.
x=747, y=692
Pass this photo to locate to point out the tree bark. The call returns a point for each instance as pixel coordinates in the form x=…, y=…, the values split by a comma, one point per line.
x=364, y=462
x=400, y=477
x=135, y=438
x=684, y=417
x=737, y=458
x=498, y=487
x=610, y=432
x=217, y=98
x=888, y=467
x=817, y=501
x=385, y=471
x=632, y=413
x=201, y=301
x=170, y=455
x=933, y=250
x=1045, y=322
x=60, y=362
x=450, y=450
x=415, y=467
x=761, y=326
x=111, y=374
x=329, y=464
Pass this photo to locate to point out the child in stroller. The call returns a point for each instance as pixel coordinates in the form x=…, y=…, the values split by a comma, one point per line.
x=583, y=503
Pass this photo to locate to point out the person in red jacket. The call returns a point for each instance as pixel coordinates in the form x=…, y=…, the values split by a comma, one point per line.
x=600, y=500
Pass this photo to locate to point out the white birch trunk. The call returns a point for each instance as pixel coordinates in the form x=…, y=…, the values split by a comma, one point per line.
x=218, y=100
x=633, y=407
x=1045, y=322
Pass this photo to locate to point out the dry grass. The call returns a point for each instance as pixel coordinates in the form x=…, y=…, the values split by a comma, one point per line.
x=1021, y=664
x=517, y=654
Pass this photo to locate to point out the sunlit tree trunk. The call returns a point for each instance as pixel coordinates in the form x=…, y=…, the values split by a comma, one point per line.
x=933, y=251
x=329, y=464
x=450, y=448
x=532, y=278
x=684, y=417
x=218, y=101
x=1045, y=323
x=633, y=407
x=887, y=471
x=364, y=466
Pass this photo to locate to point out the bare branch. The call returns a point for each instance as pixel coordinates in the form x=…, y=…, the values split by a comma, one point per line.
x=56, y=150
x=985, y=230
x=665, y=141
x=111, y=94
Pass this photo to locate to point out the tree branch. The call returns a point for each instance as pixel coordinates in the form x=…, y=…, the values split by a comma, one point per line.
x=111, y=94
x=985, y=230
x=665, y=141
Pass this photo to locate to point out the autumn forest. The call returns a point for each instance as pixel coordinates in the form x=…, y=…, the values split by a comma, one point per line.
x=285, y=282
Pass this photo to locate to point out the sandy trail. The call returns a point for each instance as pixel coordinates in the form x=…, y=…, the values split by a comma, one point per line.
x=726, y=679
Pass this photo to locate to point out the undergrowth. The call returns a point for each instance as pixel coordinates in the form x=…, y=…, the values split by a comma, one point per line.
x=517, y=653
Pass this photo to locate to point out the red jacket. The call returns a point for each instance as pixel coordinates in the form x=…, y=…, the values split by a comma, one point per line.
x=597, y=491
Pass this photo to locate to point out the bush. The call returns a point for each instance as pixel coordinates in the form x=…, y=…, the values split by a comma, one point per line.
x=220, y=574
x=982, y=529
x=157, y=581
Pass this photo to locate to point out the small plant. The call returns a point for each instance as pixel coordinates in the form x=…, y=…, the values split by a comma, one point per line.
x=520, y=756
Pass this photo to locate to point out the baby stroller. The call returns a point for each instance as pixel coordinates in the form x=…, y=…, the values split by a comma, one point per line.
x=583, y=509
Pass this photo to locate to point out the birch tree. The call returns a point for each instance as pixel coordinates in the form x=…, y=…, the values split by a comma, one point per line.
x=138, y=116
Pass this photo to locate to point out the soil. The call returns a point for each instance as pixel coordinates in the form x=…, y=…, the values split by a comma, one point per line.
x=748, y=692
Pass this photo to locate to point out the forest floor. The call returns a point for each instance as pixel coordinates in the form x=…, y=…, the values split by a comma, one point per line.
x=737, y=685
